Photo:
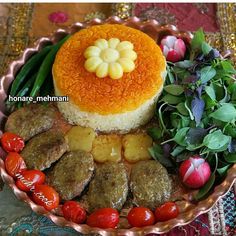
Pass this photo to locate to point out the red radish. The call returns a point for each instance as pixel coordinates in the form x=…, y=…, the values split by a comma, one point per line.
x=173, y=48
x=195, y=172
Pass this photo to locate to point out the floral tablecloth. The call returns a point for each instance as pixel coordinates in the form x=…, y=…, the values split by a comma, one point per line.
x=21, y=24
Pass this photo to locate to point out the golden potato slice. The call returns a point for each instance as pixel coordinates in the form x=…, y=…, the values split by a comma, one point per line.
x=80, y=138
x=107, y=148
x=136, y=147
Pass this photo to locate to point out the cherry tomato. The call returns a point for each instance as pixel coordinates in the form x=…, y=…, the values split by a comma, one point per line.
x=46, y=196
x=12, y=142
x=167, y=211
x=72, y=211
x=29, y=178
x=104, y=218
x=14, y=164
x=140, y=216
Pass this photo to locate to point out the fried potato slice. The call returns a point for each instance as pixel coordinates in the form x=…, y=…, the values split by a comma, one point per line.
x=107, y=148
x=80, y=138
x=136, y=147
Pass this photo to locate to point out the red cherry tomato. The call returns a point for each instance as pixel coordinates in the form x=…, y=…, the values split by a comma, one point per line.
x=104, y=218
x=14, y=164
x=72, y=211
x=29, y=178
x=140, y=216
x=167, y=211
x=12, y=142
x=46, y=196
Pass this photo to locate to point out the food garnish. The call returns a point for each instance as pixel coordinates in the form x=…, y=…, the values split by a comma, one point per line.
x=197, y=112
x=45, y=68
x=136, y=147
x=140, y=217
x=30, y=81
x=194, y=172
x=31, y=65
x=110, y=58
x=12, y=142
x=107, y=148
x=80, y=138
x=173, y=49
x=72, y=211
x=104, y=218
x=14, y=164
x=46, y=196
x=27, y=180
x=167, y=211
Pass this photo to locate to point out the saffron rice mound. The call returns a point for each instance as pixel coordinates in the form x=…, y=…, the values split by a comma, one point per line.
x=107, y=104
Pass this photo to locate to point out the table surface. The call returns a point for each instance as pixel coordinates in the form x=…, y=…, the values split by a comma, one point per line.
x=22, y=24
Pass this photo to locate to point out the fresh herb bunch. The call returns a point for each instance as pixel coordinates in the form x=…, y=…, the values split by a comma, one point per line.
x=197, y=112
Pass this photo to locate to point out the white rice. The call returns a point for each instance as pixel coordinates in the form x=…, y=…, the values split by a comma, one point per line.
x=122, y=122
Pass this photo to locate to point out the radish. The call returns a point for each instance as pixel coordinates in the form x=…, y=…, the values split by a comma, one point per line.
x=194, y=172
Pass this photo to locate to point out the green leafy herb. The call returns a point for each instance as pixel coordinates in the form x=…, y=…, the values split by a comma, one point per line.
x=226, y=113
x=196, y=43
x=155, y=133
x=207, y=73
x=206, y=188
x=174, y=89
x=231, y=158
x=206, y=48
x=171, y=99
x=197, y=110
x=210, y=92
x=157, y=153
x=217, y=141
x=180, y=136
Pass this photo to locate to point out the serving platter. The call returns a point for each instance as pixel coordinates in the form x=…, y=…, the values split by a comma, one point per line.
x=189, y=211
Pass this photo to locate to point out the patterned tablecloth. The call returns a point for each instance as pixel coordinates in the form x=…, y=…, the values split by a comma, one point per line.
x=22, y=24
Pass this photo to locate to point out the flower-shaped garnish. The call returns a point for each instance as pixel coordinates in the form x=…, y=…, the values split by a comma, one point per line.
x=173, y=48
x=110, y=58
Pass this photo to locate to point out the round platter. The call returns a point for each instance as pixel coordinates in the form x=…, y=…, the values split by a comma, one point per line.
x=189, y=211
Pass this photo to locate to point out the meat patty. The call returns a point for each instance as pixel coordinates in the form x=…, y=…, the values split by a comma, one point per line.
x=150, y=184
x=109, y=187
x=44, y=149
x=30, y=120
x=71, y=174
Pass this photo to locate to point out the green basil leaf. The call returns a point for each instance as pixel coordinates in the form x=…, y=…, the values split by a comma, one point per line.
x=181, y=73
x=180, y=136
x=223, y=170
x=184, y=64
x=155, y=133
x=210, y=92
x=157, y=154
x=217, y=141
x=226, y=113
x=232, y=90
x=178, y=121
x=170, y=75
x=182, y=156
x=206, y=188
x=174, y=89
x=177, y=150
x=197, y=40
x=228, y=67
x=182, y=109
x=207, y=73
x=195, y=136
x=171, y=99
x=230, y=158
x=230, y=130
x=206, y=48
x=209, y=103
